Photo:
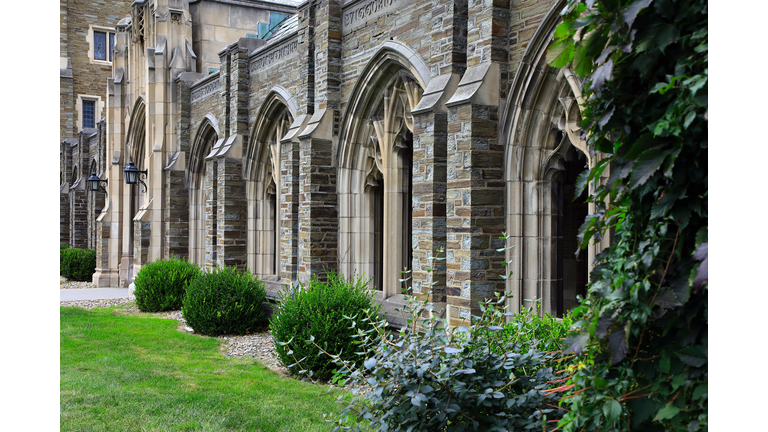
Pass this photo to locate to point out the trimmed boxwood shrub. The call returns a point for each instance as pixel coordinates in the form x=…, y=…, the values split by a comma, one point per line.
x=319, y=311
x=78, y=264
x=161, y=285
x=225, y=301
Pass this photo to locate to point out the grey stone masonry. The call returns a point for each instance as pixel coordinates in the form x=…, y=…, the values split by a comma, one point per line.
x=176, y=215
x=289, y=210
x=232, y=214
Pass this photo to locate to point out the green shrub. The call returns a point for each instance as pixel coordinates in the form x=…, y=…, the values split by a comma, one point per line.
x=63, y=250
x=431, y=379
x=78, y=264
x=319, y=311
x=225, y=301
x=161, y=285
x=546, y=331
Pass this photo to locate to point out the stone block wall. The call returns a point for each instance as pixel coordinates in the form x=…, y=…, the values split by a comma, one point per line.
x=89, y=78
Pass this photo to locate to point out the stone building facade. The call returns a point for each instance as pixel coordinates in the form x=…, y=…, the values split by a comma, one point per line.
x=358, y=135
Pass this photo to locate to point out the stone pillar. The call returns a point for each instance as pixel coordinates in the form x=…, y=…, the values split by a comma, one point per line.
x=78, y=216
x=176, y=213
x=318, y=207
x=475, y=196
x=232, y=212
x=211, y=213
x=289, y=208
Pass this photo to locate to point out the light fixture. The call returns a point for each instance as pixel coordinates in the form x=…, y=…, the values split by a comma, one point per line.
x=94, y=183
x=133, y=175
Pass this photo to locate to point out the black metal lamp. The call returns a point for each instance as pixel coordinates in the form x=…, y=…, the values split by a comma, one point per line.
x=94, y=183
x=133, y=175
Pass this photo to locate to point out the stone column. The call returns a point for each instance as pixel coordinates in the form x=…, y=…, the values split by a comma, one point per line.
x=232, y=214
x=475, y=207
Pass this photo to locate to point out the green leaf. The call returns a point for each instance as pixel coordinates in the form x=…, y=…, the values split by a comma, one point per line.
x=668, y=412
x=647, y=164
x=666, y=35
x=560, y=53
x=664, y=363
x=611, y=409
x=630, y=13
x=693, y=355
x=701, y=390
x=689, y=119
x=601, y=75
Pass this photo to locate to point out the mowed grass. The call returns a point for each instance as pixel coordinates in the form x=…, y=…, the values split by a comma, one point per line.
x=128, y=373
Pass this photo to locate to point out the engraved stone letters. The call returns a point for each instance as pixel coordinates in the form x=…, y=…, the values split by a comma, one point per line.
x=205, y=90
x=359, y=15
x=274, y=55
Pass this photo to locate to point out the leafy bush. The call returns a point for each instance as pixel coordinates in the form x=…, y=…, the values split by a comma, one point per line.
x=225, y=301
x=161, y=285
x=78, y=264
x=63, y=248
x=431, y=379
x=546, y=332
x=641, y=340
x=318, y=311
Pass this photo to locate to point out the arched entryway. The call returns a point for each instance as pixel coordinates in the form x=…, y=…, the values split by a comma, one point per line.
x=262, y=171
x=375, y=159
x=201, y=183
x=544, y=155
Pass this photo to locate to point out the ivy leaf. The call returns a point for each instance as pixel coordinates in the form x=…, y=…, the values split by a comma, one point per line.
x=646, y=166
x=604, y=119
x=666, y=35
x=668, y=412
x=630, y=13
x=700, y=391
x=702, y=273
x=611, y=409
x=560, y=53
x=602, y=74
x=617, y=346
x=693, y=355
x=579, y=23
x=602, y=325
x=667, y=299
x=575, y=343
x=581, y=183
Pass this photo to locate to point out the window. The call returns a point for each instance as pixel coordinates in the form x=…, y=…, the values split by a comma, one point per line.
x=101, y=42
x=89, y=113
x=100, y=51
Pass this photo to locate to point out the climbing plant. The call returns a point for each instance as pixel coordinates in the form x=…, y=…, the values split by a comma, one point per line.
x=638, y=356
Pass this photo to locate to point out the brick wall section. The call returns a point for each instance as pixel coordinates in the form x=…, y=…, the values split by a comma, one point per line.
x=238, y=111
x=67, y=125
x=429, y=175
x=525, y=18
x=231, y=226
x=487, y=37
x=211, y=214
x=90, y=79
x=475, y=207
x=448, y=52
x=176, y=215
x=287, y=72
x=318, y=209
x=78, y=222
x=289, y=210
x=306, y=67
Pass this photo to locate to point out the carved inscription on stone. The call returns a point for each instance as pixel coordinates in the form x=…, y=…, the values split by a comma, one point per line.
x=361, y=12
x=205, y=90
x=280, y=52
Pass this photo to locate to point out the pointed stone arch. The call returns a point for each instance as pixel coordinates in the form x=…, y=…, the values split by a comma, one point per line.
x=262, y=172
x=374, y=157
x=201, y=184
x=544, y=152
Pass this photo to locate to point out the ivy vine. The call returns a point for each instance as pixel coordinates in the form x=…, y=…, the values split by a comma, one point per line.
x=639, y=349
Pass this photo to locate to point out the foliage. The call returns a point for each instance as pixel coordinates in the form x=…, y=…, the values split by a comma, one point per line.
x=161, y=285
x=640, y=349
x=122, y=371
x=77, y=264
x=530, y=325
x=225, y=301
x=319, y=310
x=427, y=377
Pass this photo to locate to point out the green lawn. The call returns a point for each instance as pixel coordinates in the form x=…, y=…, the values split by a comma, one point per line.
x=129, y=373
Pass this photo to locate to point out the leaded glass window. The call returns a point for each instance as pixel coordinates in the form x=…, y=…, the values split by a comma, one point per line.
x=111, y=44
x=89, y=113
x=99, y=45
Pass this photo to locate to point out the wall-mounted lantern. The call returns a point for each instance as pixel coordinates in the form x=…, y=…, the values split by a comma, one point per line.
x=95, y=183
x=133, y=175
